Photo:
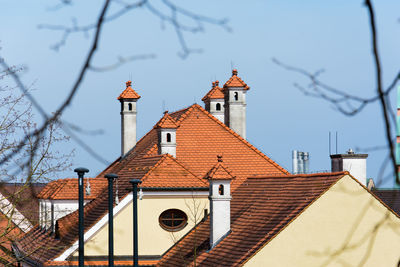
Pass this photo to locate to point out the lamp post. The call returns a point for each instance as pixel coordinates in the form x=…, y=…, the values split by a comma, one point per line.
x=81, y=172
x=135, y=183
x=111, y=177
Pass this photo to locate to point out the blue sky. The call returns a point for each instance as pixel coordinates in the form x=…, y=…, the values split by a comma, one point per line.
x=333, y=35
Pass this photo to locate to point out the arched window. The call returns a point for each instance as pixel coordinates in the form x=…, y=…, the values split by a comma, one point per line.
x=129, y=106
x=218, y=107
x=173, y=220
x=221, y=189
x=168, y=138
x=236, y=96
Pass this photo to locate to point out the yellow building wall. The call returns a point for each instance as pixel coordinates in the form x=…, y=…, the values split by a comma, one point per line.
x=153, y=240
x=346, y=226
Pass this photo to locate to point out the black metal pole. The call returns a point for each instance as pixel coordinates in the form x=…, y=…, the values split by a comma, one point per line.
x=111, y=177
x=81, y=172
x=135, y=183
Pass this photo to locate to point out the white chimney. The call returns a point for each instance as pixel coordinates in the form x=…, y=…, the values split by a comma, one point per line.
x=220, y=202
x=355, y=164
x=128, y=99
x=235, y=104
x=166, y=130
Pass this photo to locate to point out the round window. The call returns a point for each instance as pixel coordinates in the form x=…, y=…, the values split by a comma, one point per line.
x=173, y=220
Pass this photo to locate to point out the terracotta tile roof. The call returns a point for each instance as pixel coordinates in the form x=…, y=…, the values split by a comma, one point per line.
x=219, y=172
x=235, y=81
x=391, y=197
x=214, y=93
x=200, y=137
x=168, y=172
x=128, y=93
x=24, y=197
x=166, y=122
x=102, y=263
x=260, y=209
x=68, y=189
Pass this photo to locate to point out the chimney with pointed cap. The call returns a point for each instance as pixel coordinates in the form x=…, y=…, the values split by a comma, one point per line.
x=214, y=102
x=128, y=99
x=235, y=104
x=219, y=178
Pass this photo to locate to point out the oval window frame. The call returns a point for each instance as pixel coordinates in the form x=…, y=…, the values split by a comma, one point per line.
x=173, y=228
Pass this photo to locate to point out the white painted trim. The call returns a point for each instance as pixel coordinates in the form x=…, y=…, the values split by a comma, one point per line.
x=175, y=193
x=104, y=220
x=92, y=231
x=7, y=208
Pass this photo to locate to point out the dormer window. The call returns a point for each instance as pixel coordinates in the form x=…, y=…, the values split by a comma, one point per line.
x=168, y=138
x=236, y=96
x=221, y=189
x=130, y=106
x=218, y=106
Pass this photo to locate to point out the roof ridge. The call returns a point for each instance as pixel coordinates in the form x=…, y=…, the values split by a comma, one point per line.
x=298, y=175
x=166, y=122
x=161, y=160
x=241, y=138
x=187, y=169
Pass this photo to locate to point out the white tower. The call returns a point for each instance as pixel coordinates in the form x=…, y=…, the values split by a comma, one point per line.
x=235, y=104
x=166, y=129
x=214, y=102
x=128, y=99
x=219, y=178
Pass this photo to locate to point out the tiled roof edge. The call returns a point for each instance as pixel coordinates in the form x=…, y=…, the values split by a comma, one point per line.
x=243, y=260
x=237, y=136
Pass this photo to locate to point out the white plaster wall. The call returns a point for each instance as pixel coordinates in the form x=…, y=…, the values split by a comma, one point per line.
x=220, y=211
x=219, y=114
x=357, y=168
x=128, y=126
x=235, y=111
x=167, y=147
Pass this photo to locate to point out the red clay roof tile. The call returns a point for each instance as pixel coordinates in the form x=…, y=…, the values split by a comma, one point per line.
x=128, y=93
x=68, y=189
x=166, y=122
x=200, y=137
x=219, y=172
x=260, y=209
x=235, y=81
x=214, y=93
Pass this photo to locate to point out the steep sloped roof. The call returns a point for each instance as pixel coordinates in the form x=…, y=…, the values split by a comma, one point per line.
x=200, y=137
x=391, y=197
x=128, y=93
x=24, y=197
x=214, y=93
x=219, y=172
x=166, y=122
x=236, y=81
x=260, y=209
x=67, y=189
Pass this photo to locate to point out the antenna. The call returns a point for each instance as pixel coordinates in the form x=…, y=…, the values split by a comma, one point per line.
x=130, y=76
x=232, y=65
x=163, y=106
x=336, y=142
x=330, y=143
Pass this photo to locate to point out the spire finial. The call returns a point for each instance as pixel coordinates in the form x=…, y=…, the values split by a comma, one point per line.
x=219, y=158
x=128, y=83
x=213, y=84
x=216, y=83
x=234, y=72
x=166, y=112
